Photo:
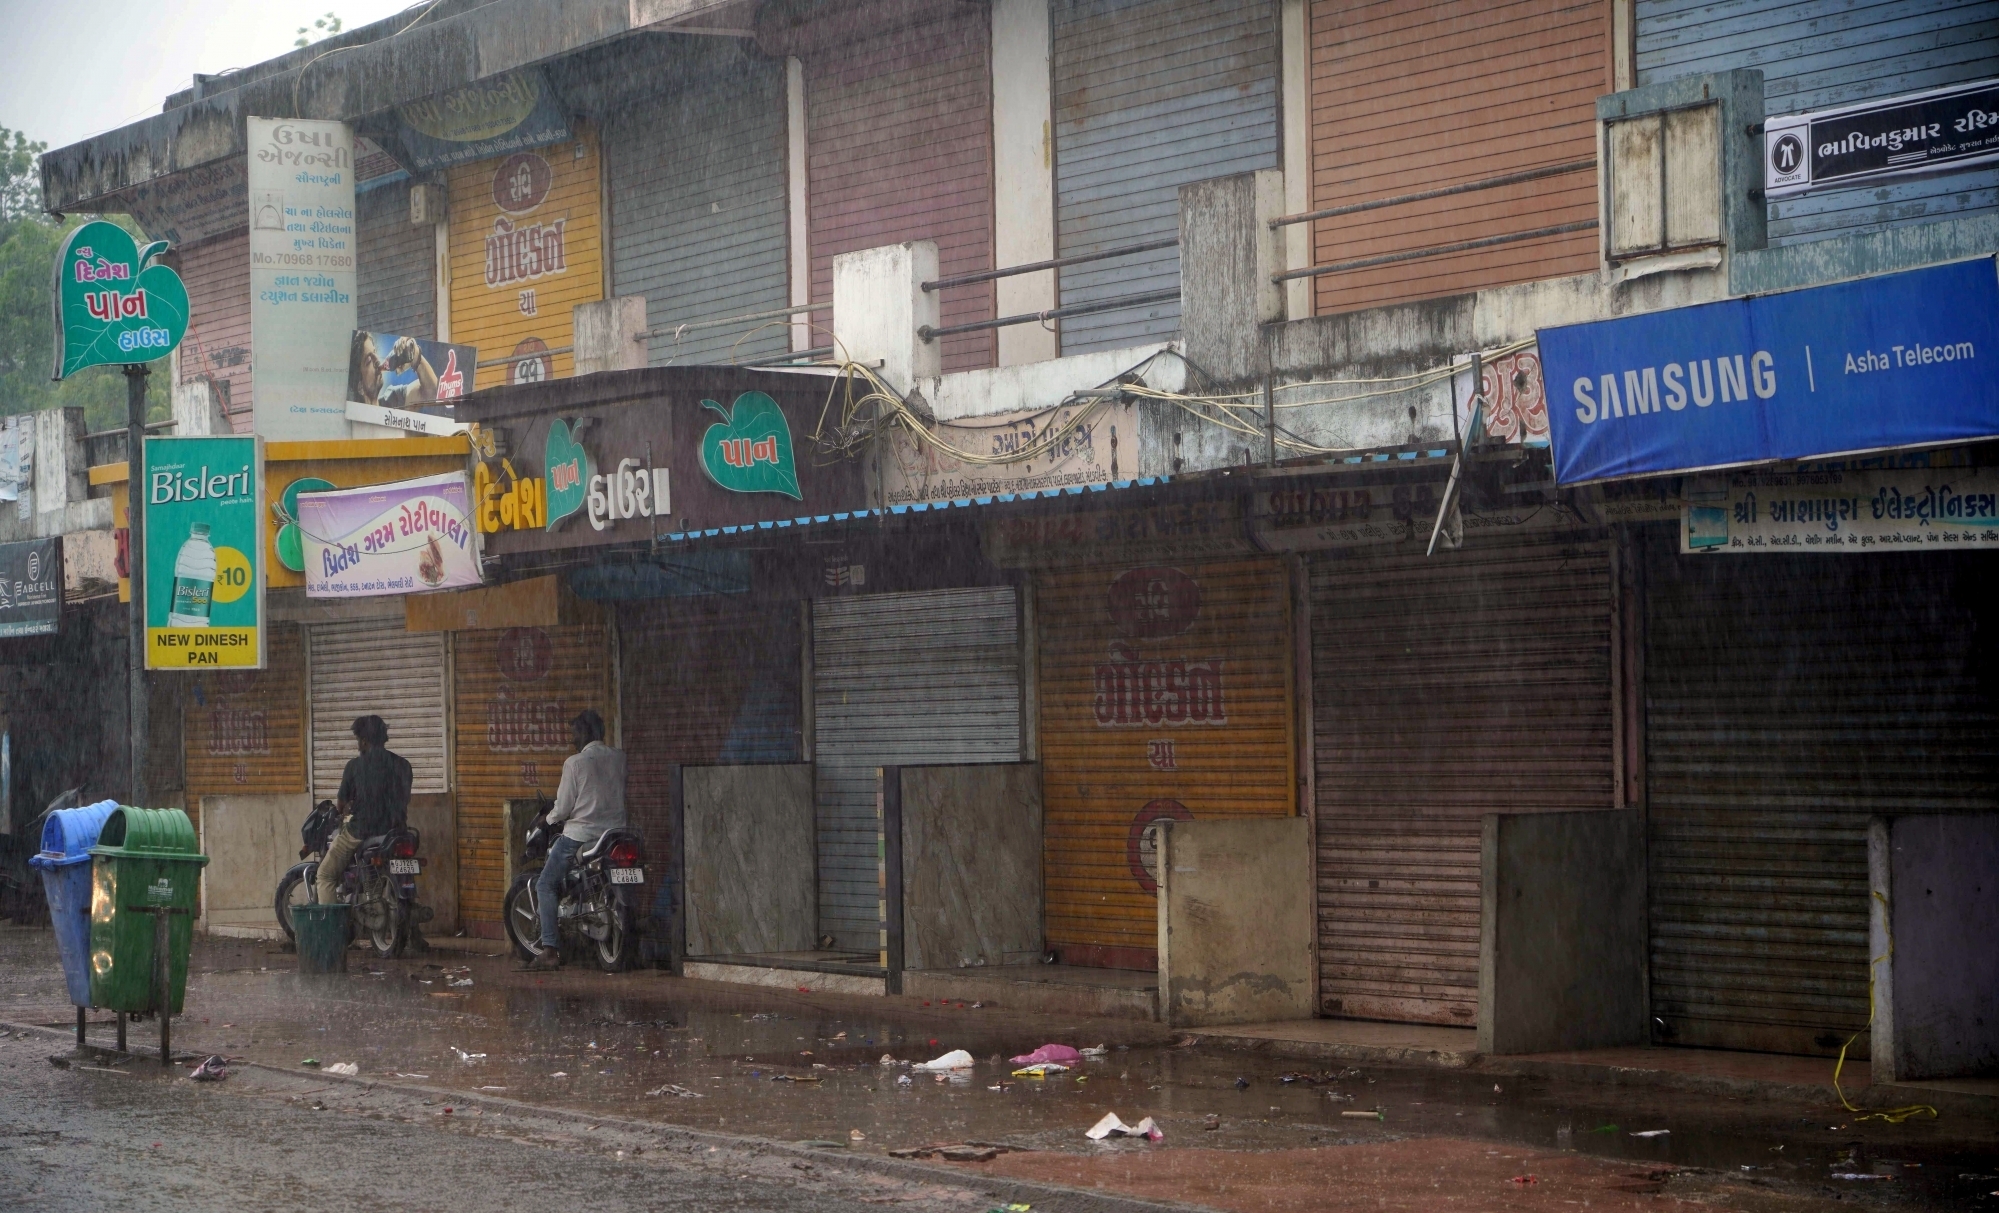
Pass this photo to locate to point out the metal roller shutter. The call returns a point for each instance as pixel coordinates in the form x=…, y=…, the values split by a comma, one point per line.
x=217, y=345
x=515, y=693
x=1788, y=700
x=376, y=668
x=900, y=146
x=1164, y=692
x=900, y=679
x=1418, y=96
x=1815, y=54
x=397, y=266
x=1149, y=96
x=698, y=206
x=704, y=686
x=1445, y=688
x=244, y=730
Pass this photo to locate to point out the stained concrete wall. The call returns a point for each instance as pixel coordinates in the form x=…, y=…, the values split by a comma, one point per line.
x=249, y=841
x=1235, y=920
x=1936, y=992
x=435, y=819
x=971, y=865
x=752, y=882
x=1561, y=958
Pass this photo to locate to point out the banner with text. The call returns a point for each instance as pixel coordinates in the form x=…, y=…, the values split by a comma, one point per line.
x=1934, y=509
x=203, y=510
x=1073, y=445
x=302, y=276
x=1909, y=359
x=31, y=587
x=400, y=538
x=1944, y=128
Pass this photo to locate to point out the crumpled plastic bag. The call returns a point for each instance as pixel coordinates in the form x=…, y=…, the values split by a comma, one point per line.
x=344, y=1068
x=1041, y=1069
x=1111, y=1124
x=1062, y=1054
x=956, y=1059
x=213, y=1068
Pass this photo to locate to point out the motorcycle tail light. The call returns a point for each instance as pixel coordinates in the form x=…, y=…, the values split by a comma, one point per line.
x=626, y=854
x=403, y=848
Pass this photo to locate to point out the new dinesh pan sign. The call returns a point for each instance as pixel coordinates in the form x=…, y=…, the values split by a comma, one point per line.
x=1901, y=360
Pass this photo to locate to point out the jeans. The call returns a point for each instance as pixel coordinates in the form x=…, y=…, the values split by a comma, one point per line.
x=547, y=884
x=333, y=864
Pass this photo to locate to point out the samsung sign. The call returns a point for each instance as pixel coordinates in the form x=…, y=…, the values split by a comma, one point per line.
x=1901, y=360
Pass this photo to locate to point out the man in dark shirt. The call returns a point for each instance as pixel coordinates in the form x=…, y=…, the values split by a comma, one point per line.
x=374, y=797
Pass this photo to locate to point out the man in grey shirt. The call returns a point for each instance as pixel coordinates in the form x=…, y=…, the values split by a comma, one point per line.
x=589, y=801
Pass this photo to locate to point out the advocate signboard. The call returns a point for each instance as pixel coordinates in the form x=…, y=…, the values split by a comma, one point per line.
x=203, y=503
x=1899, y=360
x=632, y=456
x=31, y=585
x=1945, y=128
x=302, y=275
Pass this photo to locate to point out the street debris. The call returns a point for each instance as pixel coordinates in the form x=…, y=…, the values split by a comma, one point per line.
x=1376, y=1114
x=904, y=1080
x=956, y=1059
x=1041, y=1069
x=1524, y=1180
x=856, y=1135
x=463, y=981
x=213, y=1068
x=1061, y=1054
x=400, y=1074
x=1211, y=1122
x=560, y=1074
x=1098, y=1051
x=674, y=1089
x=310, y=1061
x=346, y=1069
x=467, y=1058
x=1859, y=1175
x=888, y=1059
x=1654, y=1133
x=957, y=1151
x=794, y=1078
x=1111, y=1124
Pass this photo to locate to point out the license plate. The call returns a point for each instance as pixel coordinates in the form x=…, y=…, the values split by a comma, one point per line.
x=405, y=867
x=628, y=875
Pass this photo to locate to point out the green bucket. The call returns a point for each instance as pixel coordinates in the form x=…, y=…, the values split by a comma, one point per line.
x=321, y=931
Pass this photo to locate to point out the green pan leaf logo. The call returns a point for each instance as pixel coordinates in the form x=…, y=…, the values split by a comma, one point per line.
x=749, y=450
x=113, y=302
x=567, y=466
x=291, y=540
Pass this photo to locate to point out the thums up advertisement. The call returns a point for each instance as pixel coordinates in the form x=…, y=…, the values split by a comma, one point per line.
x=204, y=501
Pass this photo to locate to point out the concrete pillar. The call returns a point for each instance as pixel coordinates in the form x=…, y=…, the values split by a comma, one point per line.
x=198, y=410
x=1228, y=253
x=1023, y=174
x=879, y=303
x=609, y=335
x=62, y=472
x=1295, y=40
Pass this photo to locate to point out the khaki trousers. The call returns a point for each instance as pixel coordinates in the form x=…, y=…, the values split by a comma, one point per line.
x=338, y=853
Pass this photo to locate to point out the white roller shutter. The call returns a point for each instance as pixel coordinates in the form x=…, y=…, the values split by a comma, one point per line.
x=376, y=668
x=901, y=679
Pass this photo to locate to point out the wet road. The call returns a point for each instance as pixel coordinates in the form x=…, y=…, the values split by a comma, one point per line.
x=797, y=1066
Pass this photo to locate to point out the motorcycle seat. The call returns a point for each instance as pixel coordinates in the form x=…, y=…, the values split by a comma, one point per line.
x=600, y=846
x=373, y=844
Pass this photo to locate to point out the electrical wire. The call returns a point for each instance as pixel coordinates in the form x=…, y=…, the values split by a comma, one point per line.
x=1893, y=1116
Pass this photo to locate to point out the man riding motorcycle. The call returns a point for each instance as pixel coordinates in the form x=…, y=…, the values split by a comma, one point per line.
x=374, y=797
x=589, y=801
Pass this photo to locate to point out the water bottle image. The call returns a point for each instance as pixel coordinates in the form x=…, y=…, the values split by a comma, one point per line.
x=194, y=581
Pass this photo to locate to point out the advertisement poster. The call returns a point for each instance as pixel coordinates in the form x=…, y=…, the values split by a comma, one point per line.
x=400, y=538
x=1898, y=360
x=1933, y=509
x=31, y=585
x=1098, y=443
x=302, y=276
x=407, y=383
x=204, y=584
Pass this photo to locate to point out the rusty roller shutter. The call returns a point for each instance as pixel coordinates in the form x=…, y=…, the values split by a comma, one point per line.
x=1788, y=700
x=377, y=668
x=515, y=690
x=217, y=345
x=1409, y=97
x=244, y=730
x=899, y=131
x=710, y=685
x=1165, y=692
x=903, y=679
x=1445, y=688
x=396, y=291
x=1150, y=95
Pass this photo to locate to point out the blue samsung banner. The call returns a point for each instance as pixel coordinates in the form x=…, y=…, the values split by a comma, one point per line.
x=1900, y=360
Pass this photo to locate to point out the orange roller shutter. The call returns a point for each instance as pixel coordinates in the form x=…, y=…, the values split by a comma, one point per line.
x=516, y=691
x=244, y=730
x=1165, y=691
x=1415, y=96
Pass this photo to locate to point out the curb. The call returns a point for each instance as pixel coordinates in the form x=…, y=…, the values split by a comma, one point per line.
x=1947, y=1103
x=1312, y=1050
x=999, y=1190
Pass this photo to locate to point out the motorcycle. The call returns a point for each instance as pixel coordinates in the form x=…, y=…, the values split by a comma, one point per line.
x=380, y=883
x=599, y=898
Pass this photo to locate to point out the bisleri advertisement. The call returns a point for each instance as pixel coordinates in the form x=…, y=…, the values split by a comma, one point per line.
x=203, y=508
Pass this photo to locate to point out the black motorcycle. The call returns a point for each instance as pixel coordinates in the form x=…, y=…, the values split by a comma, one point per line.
x=600, y=897
x=380, y=883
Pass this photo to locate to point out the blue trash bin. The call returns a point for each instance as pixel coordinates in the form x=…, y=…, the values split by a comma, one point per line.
x=64, y=862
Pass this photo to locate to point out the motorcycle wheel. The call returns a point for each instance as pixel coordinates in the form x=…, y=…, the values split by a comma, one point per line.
x=522, y=916
x=614, y=950
x=295, y=889
x=390, y=931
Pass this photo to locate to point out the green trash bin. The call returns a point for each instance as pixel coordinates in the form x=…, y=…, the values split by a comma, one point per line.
x=320, y=930
x=145, y=872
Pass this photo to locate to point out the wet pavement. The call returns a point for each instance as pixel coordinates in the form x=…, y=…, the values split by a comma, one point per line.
x=800, y=1066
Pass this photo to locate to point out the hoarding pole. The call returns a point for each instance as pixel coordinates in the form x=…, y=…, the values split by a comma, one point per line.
x=135, y=570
